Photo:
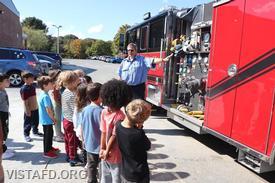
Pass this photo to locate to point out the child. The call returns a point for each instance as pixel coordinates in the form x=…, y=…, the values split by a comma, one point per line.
x=115, y=94
x=88, y=79
x=1, y=153
x=56, y=101
x=4, y=114
x=60, y=86
x=70, y=81
x=28, y=95
x=80, y=103
x=46, y=116
x=133, y=143
x=80, y=73
x=90, y=122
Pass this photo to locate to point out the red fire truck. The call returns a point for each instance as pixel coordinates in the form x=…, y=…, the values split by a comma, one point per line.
x=221, y=79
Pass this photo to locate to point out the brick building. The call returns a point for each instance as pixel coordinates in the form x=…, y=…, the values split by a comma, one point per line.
x=10, y=26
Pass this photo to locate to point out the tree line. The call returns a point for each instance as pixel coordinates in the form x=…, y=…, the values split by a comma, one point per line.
x=70, y=46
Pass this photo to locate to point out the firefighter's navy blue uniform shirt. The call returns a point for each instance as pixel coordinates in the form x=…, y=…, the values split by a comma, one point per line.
x=135, y=72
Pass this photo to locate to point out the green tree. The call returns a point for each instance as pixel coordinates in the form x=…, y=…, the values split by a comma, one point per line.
x=100, y=47
x=54, y=45
x=88, y=42
x=51, y=44
x=122, y=30
x=37, y=39
x=77, y=48
x=66, y=41
x=34, y=23
x=70, y=37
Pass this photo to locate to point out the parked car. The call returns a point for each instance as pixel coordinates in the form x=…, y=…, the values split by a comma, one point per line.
x=101, y=58
x=54, y=63
x=115, y=60
x=54, y=56
x=45, y=66
x=93, y=58
x=109, y=59
x=13, y=61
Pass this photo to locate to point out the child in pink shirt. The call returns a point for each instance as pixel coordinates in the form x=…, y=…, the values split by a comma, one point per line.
x=115, y=94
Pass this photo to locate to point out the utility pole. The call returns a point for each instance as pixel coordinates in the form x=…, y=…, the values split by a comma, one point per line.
x=57, y=42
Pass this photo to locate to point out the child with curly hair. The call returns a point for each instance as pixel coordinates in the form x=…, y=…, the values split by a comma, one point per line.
x=115, y=94
x=133, y=143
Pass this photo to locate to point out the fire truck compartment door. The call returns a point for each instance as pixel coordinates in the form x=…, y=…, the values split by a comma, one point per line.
x=226, y=44
x=255, y=85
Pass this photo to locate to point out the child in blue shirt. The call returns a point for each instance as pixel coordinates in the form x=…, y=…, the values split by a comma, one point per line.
x=90, y=123
x=46, y=116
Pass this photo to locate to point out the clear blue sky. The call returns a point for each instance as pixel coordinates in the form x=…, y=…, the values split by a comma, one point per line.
x=99, y=19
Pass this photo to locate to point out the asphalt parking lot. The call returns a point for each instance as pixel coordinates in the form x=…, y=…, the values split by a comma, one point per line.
x=177, y=154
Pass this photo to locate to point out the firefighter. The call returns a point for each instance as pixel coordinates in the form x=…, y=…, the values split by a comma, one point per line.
x=134, y=68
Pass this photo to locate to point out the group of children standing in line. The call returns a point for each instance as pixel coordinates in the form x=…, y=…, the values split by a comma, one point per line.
x=111, y=135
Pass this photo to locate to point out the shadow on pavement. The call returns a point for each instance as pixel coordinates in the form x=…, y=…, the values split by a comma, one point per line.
x=169, y=132
x=155, y=146
x=158, y=171
x=35, y=158
x=208, y=140
x=152, y=139
x=156, y=175
x=154, y=166
x=18, y=145
x=87, y=70
x=270, y=176
x=157, y=156
x=168, y=176
x=156, y=111
x=219, y=146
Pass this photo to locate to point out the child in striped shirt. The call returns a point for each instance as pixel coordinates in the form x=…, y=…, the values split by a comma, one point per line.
x=70, y=81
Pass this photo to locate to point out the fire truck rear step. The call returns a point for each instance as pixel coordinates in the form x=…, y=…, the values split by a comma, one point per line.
x=254, y=163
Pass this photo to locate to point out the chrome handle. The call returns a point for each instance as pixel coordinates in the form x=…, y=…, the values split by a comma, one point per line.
x=232, y=70
x=220, y=2
x=161, y=47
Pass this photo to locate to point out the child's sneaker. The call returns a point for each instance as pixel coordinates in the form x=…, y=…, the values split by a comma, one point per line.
x=38, y=134
x=77, y=159
x=58, y=139
x=28, y=139
x=50, y=154
x=67, y=159
x=72, y=163
x=56, y=150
